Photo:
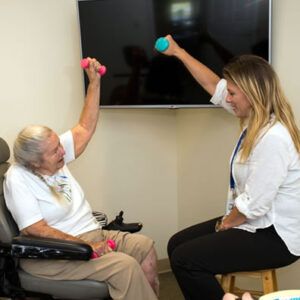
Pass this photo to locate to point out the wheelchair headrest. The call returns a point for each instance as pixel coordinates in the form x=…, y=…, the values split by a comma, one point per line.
x=8, y=228
x=4, y=151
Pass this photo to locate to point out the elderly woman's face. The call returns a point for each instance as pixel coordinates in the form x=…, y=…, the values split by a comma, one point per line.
x=53, y=156
x=238, y=100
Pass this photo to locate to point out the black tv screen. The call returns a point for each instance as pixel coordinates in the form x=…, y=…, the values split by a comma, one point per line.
x=121, y=34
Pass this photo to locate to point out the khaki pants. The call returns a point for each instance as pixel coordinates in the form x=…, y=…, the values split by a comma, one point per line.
x=120, y=269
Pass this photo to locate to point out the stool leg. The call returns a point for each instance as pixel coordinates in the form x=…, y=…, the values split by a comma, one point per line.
x=269, y=281
x=228, y=282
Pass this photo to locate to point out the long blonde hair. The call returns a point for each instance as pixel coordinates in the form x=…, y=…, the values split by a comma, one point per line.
x=256, y=78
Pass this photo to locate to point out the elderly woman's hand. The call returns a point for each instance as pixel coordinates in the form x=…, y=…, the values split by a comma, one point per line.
x=100, y=248
x=92, y=71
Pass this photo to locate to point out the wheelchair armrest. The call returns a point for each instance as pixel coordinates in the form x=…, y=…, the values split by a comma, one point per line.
x=48, y=248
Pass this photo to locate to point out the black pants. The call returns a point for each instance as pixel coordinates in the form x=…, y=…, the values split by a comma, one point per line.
x=198, y=253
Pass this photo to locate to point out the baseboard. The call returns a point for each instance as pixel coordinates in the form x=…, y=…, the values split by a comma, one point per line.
x=163, y=265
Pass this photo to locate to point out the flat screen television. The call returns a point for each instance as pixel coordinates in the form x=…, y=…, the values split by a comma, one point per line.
x=121, y=34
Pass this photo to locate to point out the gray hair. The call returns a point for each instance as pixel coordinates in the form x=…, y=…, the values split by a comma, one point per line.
x=28, y=145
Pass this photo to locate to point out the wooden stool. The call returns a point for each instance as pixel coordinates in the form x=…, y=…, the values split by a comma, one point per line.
x=268, y=278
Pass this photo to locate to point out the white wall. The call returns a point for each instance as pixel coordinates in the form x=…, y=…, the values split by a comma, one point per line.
x=205, y=141
x=131, y=164
x=167, y=168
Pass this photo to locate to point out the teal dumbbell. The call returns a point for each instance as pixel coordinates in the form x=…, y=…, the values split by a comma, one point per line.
x=162, y=44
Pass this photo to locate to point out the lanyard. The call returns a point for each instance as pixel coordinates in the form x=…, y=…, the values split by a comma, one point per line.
x=232, y=182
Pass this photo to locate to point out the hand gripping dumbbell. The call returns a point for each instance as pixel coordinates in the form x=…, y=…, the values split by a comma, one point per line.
x=111, y=244
x=85, y=64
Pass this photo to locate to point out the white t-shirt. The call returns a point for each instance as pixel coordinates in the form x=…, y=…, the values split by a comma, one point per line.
x=268, y=183
x=30, y=199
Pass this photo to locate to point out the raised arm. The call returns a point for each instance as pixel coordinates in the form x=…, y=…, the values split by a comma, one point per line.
x=203, y=75
x=84, y=130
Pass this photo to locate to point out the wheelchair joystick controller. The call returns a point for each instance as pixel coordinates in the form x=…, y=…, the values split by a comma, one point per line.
x=85, y=64
x=118, y=224
x=119, y=218
x=111, y=244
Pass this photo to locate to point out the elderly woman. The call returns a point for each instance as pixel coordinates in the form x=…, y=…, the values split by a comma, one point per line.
x=46, y=201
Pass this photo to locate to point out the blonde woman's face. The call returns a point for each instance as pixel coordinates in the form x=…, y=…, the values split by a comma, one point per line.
x=238, y=101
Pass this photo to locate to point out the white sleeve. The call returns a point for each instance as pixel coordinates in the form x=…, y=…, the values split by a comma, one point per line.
x=21, y=202
x=220, y=95
x=268, y=168
x=67, y=142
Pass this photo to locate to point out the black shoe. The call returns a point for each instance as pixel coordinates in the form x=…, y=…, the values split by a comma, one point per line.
x=118, y=224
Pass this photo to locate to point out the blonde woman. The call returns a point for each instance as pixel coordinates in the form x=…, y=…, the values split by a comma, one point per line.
x=260, y=228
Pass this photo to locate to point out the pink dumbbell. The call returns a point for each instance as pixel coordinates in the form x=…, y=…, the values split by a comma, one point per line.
x=111, y=244
x=85, y=64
